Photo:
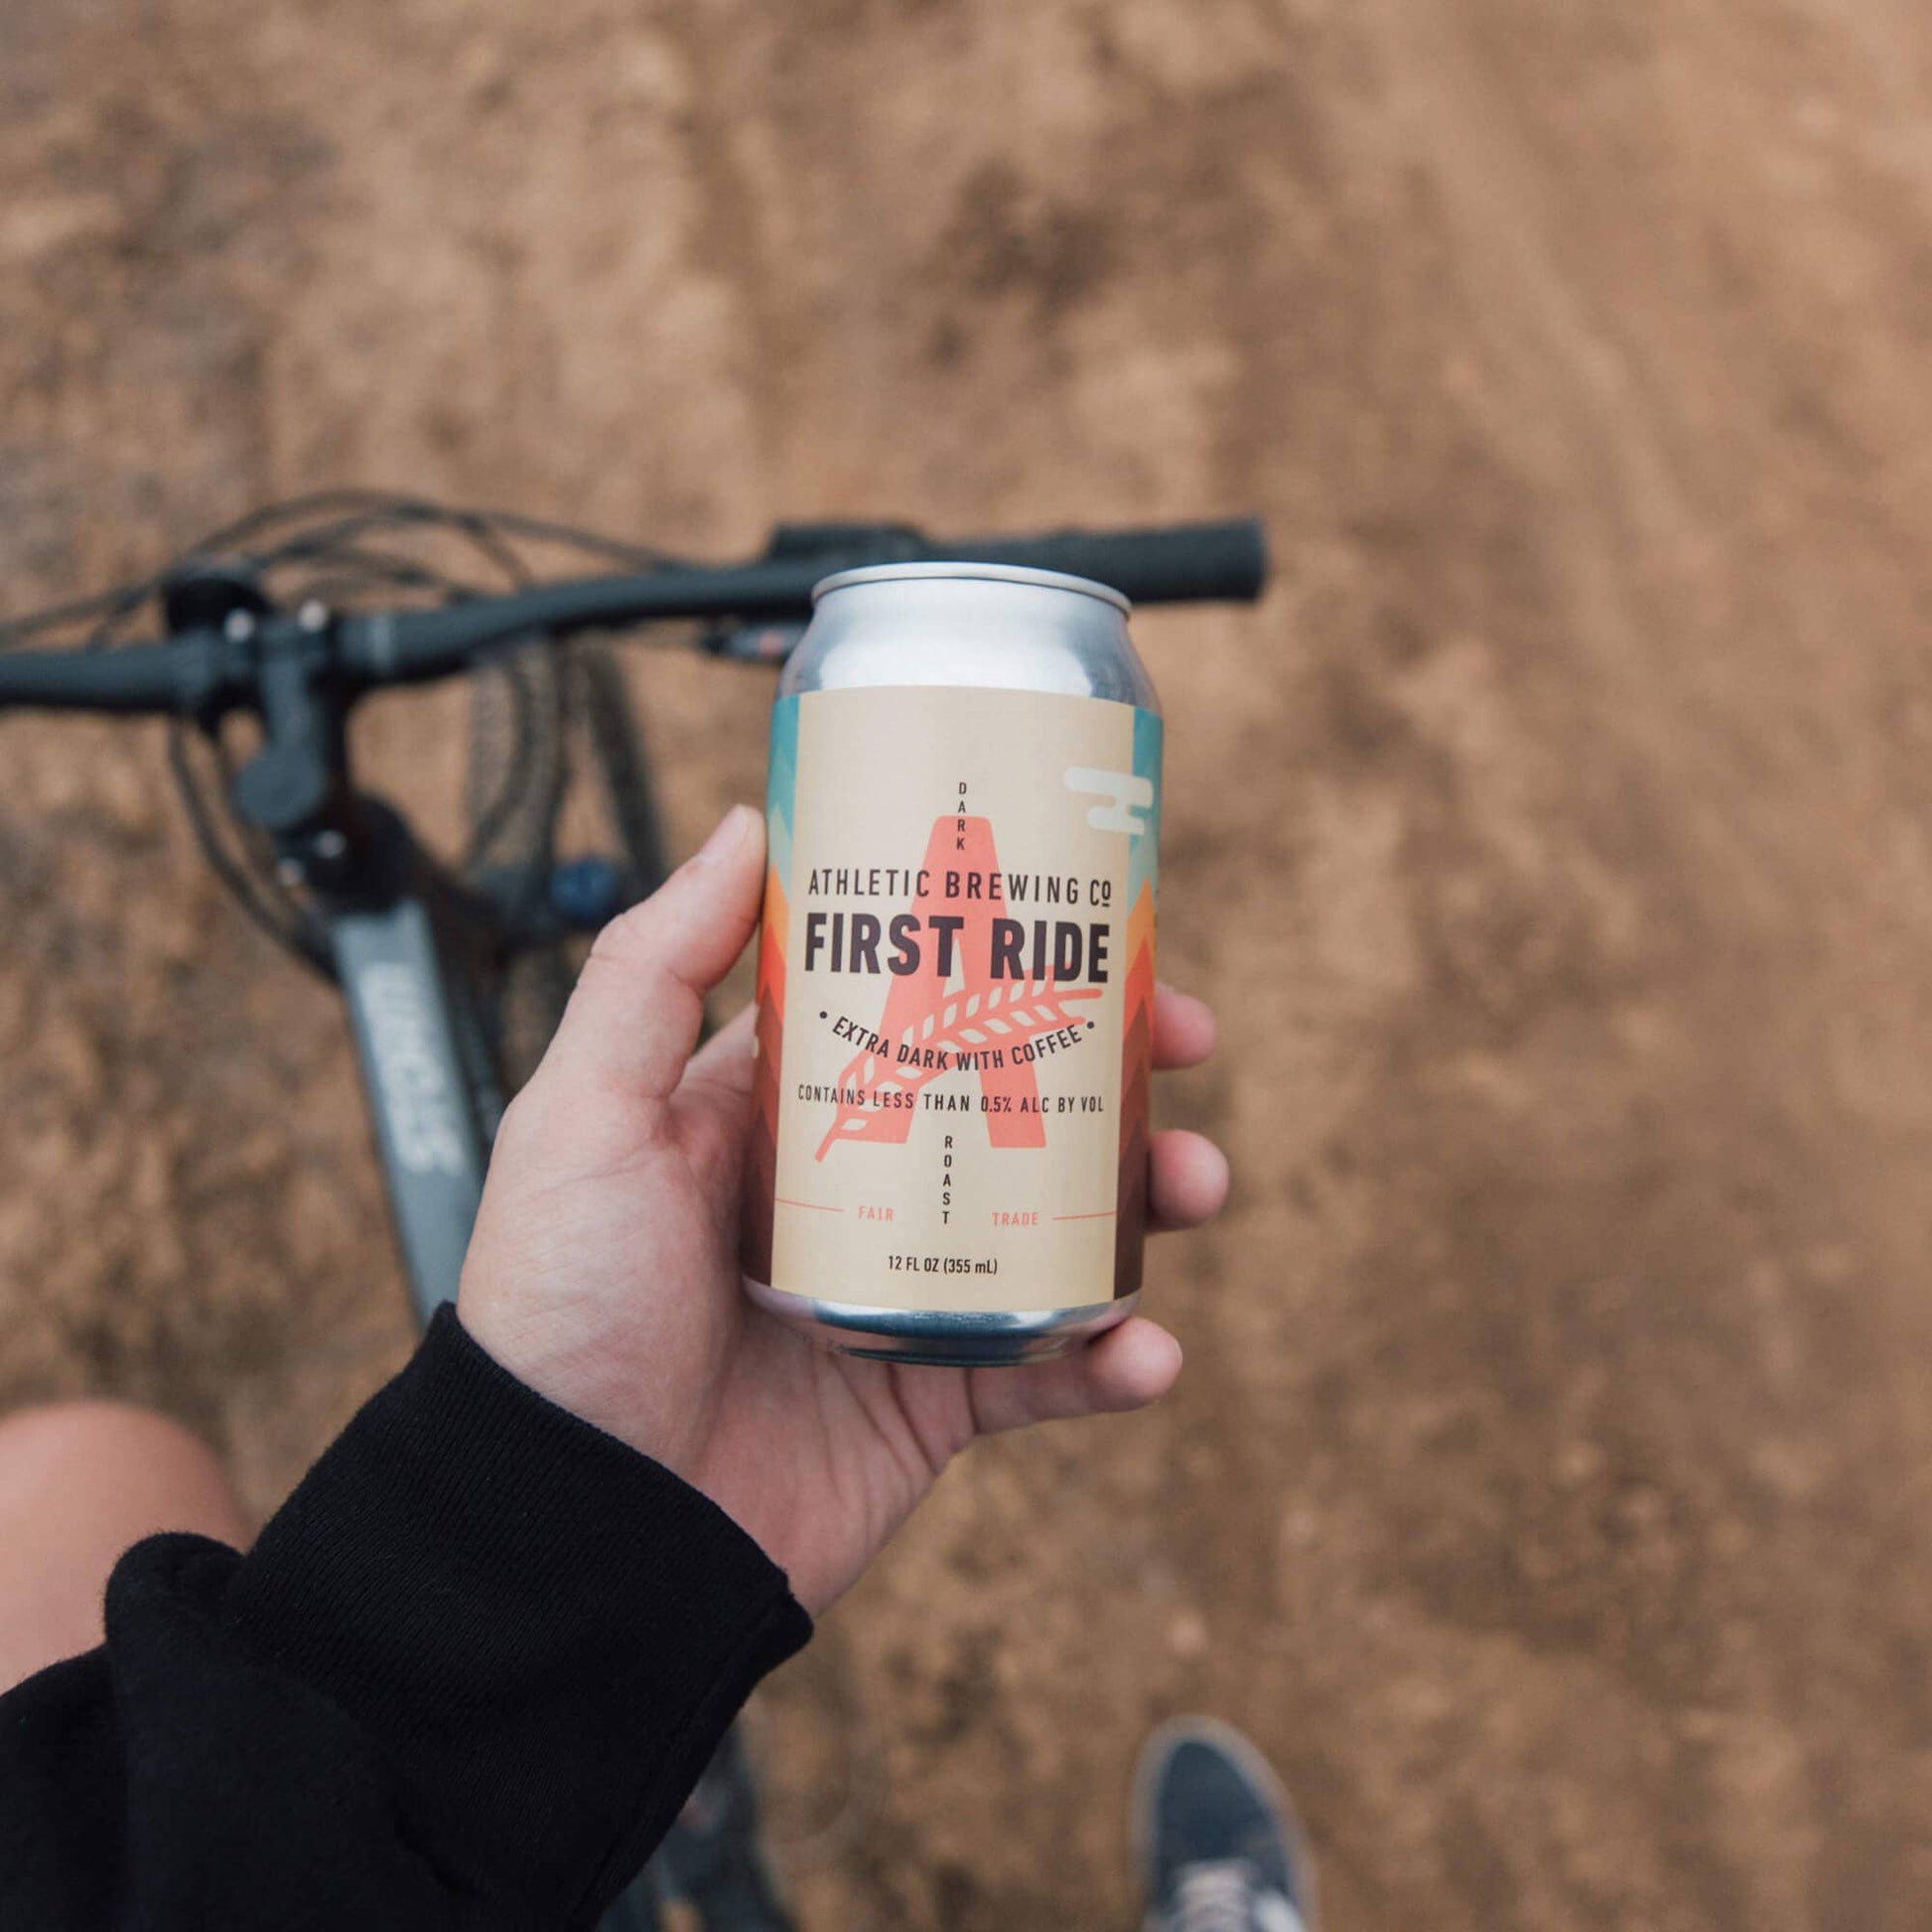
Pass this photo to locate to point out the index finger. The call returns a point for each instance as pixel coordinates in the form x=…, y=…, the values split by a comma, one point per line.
x=1183, y=1029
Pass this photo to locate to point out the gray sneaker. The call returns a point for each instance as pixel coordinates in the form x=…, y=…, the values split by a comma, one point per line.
x=1214, y=1836
x=712, y=1857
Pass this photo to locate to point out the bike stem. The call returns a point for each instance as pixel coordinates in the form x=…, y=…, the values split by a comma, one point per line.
x=398, y=933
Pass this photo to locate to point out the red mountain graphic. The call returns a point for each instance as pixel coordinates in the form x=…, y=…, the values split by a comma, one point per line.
x=761, y=1153
x=1135, y=1080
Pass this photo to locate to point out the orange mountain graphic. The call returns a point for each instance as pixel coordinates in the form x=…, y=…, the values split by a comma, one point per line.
x=1136, y=1084
x=761, y=1153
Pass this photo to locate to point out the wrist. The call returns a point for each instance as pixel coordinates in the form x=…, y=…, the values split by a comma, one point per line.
x=580, y=1374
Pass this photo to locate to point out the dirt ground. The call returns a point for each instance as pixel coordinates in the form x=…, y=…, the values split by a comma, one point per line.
x=1550, y=1489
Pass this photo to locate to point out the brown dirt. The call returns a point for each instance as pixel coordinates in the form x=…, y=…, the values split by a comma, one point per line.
x=1547, y=1490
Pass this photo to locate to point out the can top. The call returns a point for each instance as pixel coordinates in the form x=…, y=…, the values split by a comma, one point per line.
x=1046, y=580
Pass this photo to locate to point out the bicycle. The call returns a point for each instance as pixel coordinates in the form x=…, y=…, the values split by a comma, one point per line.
x=454, y=971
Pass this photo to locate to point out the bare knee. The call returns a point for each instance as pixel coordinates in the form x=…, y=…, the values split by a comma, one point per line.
x=79, y=1482
x=114, y=1462
x=89, y=1423
x=61, y=1434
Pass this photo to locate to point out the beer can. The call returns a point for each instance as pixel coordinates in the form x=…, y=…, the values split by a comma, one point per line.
x=956, y=974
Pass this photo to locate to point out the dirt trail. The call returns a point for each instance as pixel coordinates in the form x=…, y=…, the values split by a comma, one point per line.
x=1548, y=1487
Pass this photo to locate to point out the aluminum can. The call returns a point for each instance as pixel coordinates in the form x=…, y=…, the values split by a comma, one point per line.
x=955, y=976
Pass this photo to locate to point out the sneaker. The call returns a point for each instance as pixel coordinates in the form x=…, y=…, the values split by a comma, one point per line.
x=1214, y=1836
x=712, y=1859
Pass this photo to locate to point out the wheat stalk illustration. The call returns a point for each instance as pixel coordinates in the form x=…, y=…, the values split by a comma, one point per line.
x=1005, y=1015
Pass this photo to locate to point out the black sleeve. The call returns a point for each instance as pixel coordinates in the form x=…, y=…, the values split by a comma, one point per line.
x=464, y=1679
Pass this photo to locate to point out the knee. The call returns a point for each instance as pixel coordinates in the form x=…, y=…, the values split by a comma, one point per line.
x=115, y=1459
x=60, y=1434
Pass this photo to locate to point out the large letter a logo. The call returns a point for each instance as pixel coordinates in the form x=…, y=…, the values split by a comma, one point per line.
x=930, y=1028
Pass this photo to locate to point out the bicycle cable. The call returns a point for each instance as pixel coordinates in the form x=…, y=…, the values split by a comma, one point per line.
x=341, y=547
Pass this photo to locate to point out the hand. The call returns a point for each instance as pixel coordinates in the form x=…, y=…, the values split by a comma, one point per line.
x=604, y=1269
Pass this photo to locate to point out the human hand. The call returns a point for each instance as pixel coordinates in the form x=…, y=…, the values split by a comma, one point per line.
x=604, y=1269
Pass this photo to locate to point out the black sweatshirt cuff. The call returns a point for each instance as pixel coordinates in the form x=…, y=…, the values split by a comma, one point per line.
x=545, y=1633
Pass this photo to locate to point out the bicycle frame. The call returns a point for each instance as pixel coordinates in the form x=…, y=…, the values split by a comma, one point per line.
x=402, y=938
x=431, y=1137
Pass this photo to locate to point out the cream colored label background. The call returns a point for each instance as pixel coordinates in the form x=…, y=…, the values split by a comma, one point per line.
x=876, y=767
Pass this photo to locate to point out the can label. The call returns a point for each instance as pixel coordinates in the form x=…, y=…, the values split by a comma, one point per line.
x=955, y=1000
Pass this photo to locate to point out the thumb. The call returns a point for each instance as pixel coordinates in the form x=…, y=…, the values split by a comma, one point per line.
x=639, y=1004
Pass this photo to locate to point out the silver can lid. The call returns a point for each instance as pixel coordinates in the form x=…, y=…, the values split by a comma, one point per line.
x=1046, y=580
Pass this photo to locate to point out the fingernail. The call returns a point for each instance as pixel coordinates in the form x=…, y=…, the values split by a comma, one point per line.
x=726, y=836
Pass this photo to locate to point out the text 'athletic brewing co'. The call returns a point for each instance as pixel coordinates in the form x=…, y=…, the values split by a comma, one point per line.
x=955, y=982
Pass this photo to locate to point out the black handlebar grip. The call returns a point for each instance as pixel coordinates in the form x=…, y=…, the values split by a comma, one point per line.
x=134, y=678
x=1184, y=563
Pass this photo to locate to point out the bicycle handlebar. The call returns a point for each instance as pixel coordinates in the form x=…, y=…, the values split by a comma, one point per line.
x=202, y=672
x=139, y=678
x=1186, y=563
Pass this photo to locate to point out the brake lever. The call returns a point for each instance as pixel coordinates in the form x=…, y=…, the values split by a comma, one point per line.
x=839, y=543
x=750, y=643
